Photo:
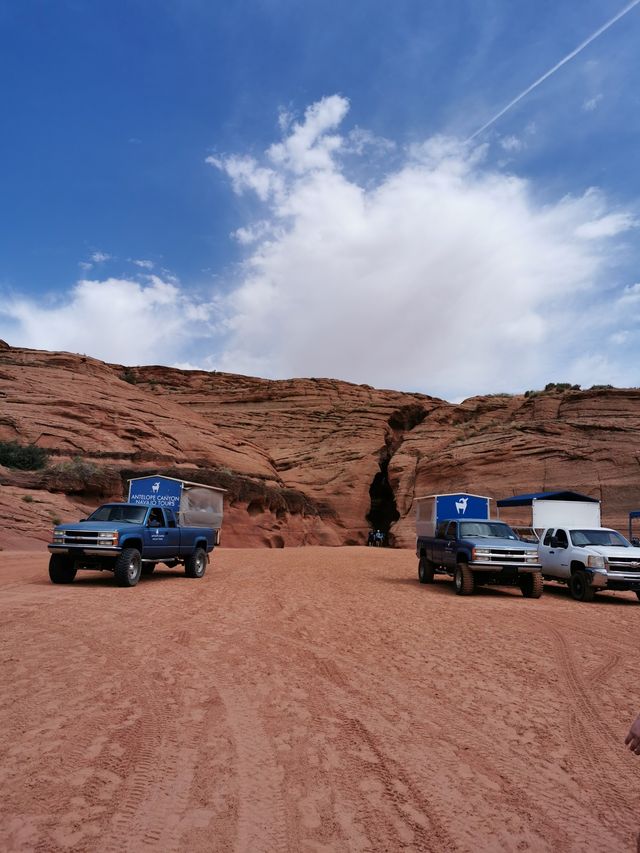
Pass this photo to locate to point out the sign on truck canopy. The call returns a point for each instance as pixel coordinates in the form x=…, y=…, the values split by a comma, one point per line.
x=195, y=504
x=433, y=509
x=156, y=491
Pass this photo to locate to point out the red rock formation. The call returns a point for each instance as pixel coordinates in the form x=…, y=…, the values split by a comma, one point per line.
x=300, y=456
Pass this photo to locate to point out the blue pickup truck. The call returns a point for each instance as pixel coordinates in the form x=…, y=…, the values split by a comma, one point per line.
x=128, y=539
x=479, y=551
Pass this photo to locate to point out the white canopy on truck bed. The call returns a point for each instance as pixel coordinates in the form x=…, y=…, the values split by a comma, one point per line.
x=432, y=509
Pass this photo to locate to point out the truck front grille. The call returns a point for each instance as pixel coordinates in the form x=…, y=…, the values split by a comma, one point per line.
x=506, y=555
x=625, y=564
x=79, y=538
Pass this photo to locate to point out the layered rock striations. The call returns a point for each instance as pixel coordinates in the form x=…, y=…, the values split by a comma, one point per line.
x=305, y=461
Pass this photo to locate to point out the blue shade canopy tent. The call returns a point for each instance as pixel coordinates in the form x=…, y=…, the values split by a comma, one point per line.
x=528, y=499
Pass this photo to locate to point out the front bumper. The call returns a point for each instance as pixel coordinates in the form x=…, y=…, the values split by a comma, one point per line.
x=608, y=579
x=519, y=568
x=90, y=551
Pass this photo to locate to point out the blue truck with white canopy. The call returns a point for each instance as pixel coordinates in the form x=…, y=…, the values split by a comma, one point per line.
x=456, y=536
x=164, y=521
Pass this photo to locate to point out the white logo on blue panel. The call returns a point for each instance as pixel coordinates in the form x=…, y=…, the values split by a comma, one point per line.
x=461, y=505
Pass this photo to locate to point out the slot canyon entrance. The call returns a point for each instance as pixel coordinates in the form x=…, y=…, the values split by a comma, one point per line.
x=383, y=512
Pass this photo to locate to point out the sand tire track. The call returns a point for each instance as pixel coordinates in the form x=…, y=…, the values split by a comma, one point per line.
x=262, y=826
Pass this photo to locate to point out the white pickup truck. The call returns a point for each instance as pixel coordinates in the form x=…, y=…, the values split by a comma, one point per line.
x=589, y=560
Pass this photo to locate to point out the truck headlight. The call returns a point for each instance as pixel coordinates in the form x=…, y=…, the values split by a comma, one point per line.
x=596, y=562
x=58, y=537
x=480, y=554
x=108, y=538
x=531, y=557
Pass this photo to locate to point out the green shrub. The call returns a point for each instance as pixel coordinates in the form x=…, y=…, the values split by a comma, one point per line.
x=78, y=476
x=26, y=457
x=28, y=499
x=561, y=386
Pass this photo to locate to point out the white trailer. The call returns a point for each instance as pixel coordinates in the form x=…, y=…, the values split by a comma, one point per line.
x=555, y=509
x=553, y=513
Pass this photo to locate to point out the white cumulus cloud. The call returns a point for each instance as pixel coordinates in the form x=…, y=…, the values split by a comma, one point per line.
x=444, y=274
x=119, y=320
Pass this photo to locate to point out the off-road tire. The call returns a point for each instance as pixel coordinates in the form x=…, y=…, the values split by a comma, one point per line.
x=463, y=580
x=580, y=588
x=128, y=567
x=196, y=564
x=531, y=585
x=425, y=570
x=61, y=569
x=148, y=568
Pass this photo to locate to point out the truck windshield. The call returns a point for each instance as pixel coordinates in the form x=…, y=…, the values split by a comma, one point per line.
x=119, y=512
x=599, y=537
x=487, y=528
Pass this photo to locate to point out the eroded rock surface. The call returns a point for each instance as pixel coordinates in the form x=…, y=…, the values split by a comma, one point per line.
x=299, y=456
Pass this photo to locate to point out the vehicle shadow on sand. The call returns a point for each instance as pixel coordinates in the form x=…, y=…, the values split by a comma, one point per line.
x=606, y=597
x=444, y=586
x=89, y=579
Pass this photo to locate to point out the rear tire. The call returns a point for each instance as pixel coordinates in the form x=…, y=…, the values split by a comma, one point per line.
x=580, y=588
x=463, y=580
x=196, y=564
x=61, y=569
x=128, y=567
x=531, y=585
x=425, y=570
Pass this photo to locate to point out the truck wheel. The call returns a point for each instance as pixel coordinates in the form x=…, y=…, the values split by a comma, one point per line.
x=196, y=564
x=61, y=569
x=463, y=579
x=128, y=567
x=531, y=585
x=580, y=588
x=425, y=570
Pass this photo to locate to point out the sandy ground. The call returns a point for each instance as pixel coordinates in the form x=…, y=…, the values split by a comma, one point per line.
x=312, y=699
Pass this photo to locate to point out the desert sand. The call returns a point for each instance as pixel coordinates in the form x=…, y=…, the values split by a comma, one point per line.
x=312, y=699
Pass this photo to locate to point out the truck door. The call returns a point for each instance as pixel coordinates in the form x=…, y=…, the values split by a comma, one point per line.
x=558, y=557
x=438, y=542
x=450, y=545
x=156, y=534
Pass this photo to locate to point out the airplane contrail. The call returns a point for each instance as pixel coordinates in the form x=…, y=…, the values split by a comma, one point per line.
x=562, y=62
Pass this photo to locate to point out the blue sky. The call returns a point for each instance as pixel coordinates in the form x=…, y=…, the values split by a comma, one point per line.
x=288, y=189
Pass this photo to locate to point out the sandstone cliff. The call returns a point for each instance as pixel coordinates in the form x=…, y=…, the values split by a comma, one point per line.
x=304, y=461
